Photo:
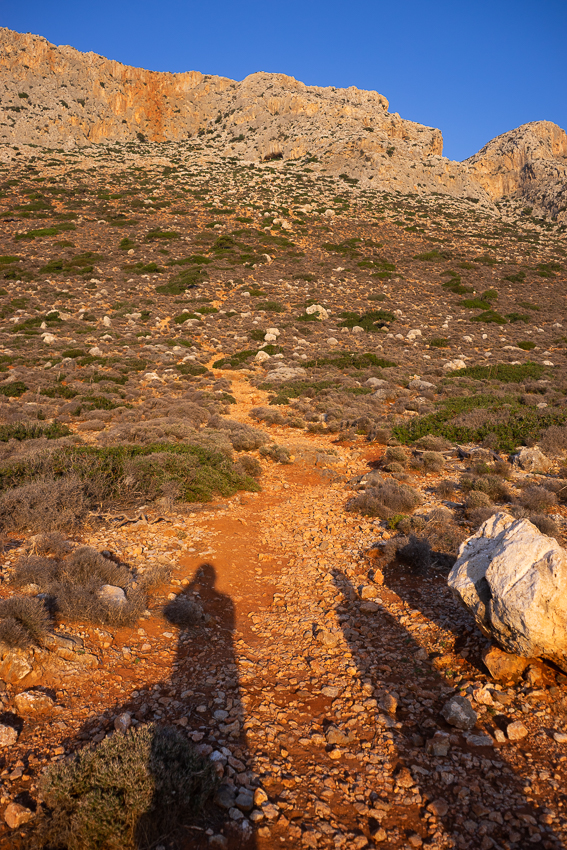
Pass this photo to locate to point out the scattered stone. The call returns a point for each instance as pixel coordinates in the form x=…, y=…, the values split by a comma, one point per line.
x=438, y=807
x=503, y=666
x=225, y=796
x=560, y=737
x=454, y=365
x=459, y=712
x=123, y=722
x=260, y=797
x=33, y=702
x=533, y=460
x=17, y=815
x=112, y=595
x=8, y=735
x=516, y=731
x=245, y=800
x=440, y=744
x=479, y=740
x=389, y=703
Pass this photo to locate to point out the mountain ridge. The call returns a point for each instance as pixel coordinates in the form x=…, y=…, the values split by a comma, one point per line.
x=86, y=99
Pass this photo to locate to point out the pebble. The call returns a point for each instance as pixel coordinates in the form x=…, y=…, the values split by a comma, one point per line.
x=516, y=731
x=459, y=712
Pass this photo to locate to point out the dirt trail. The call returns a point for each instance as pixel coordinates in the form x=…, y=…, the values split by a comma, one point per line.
x=310, y=679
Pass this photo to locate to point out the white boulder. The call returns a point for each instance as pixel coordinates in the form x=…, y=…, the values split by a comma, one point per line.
x=454, y=365
x=513, y=579
x=317, y=308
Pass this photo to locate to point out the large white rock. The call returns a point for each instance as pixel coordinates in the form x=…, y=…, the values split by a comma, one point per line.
x=513, y=579
x=319, y=309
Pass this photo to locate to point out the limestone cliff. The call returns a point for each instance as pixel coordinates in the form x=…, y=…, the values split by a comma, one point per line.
x=59, y=97
x=529, y=163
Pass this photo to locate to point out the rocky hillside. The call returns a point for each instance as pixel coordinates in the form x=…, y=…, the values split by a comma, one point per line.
x=58, y=97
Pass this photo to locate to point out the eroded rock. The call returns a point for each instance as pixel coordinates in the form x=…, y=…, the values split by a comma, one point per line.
x=513, y=579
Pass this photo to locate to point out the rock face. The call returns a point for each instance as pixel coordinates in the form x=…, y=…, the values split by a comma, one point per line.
x=59, y=97
x=514, y=579
x=528, y=163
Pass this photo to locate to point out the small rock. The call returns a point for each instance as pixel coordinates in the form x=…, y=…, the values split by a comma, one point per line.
x=480, y=740
x=504, y=666
x=260, y=797
x=33, y=702
x=389, y=702
x=560, y=737
x=244, y=800
x=337, y=737
x=438, y=807
x=330, y=691
x=16, y=815
x=516, y=731
x=225, y=796
x=454, y=365
x=317, y=308
x=367, y=591
x=440, y=744
x=218, y=841
x=500, y=736
x=483, y=696
x=112, y=595
x=8, y=736
x=533, y=460
x=123, y=722
x=459, y=712
x=327, y=638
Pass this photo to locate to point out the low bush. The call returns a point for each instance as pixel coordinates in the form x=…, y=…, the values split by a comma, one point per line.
x=46, y=504
x=537, y=499
x=491, y=485
x=73, y=586
x=429, y=462
x=277, y=453
x=385, y=500
x=126, y=792
x=24, y=622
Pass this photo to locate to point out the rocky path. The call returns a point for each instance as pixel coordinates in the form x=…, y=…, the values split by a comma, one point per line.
x=316, y=681
x=331, y=684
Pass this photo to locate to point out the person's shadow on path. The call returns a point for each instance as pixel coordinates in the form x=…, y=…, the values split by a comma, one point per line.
x=202, y=700
x=464, y=819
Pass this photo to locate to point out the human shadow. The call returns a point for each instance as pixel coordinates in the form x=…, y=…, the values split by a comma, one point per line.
x=444, y=786
x=201, y=701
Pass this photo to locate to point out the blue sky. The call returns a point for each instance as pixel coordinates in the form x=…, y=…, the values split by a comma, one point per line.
x=473, y=68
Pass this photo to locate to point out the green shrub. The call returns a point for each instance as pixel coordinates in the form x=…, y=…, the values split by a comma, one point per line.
x=124, y=793
x=438, y=342
x=161, y=234
x=31, y=431
x=13, y=390
x=271, y=307
x=520, y=426
x=371, y=321
x=506, y=372
x=527, y=345
x=490, y=316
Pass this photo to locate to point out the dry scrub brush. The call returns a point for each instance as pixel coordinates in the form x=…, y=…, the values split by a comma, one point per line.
x=125, y=793
x=73, y=586
x=385, y=500
x=24, y=622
